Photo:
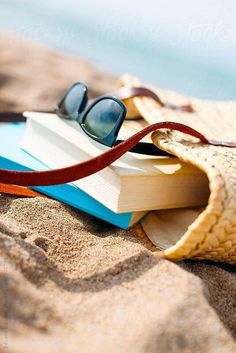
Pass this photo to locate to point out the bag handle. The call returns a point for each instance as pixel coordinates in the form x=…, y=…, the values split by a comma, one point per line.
x=131, y=92
x=123, y=93
x=93, y=165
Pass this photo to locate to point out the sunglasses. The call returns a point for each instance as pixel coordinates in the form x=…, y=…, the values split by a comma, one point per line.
x=102, y=119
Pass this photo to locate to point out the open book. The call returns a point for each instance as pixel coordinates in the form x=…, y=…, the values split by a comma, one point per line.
x=133, y=183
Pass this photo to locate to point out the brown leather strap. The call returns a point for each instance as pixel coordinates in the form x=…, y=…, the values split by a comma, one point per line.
x=122, y=93
x=18, y=190
x=93, y=165
x=131, y=92
x=81, y=170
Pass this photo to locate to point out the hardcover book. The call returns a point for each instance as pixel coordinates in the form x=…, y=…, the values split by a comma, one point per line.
x=135, y=182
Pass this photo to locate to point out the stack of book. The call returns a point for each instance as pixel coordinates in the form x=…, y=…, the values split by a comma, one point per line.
x=121, y=193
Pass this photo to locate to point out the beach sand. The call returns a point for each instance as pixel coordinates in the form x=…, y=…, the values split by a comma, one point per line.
x=72, y=283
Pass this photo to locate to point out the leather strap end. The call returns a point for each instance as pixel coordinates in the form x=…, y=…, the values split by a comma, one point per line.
x=18, y=191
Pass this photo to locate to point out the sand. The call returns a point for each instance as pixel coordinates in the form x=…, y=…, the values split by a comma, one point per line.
x=71, y=283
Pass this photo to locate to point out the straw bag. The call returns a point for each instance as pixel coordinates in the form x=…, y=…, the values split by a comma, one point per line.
x=212, y=234
x=208, y=233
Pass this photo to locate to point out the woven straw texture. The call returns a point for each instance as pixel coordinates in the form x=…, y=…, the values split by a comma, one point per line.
x=212, y=235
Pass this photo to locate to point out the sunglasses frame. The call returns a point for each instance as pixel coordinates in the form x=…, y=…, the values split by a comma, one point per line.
x=84, y=110
x=82, y=106
x=111, y=139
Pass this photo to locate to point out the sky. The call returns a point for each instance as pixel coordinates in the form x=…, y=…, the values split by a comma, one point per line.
x=185, y=45
x=187, y=22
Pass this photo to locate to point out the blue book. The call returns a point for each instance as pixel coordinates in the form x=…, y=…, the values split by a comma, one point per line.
x=13, y=157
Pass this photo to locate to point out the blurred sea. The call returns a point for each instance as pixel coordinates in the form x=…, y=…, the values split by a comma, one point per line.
x=192, y=50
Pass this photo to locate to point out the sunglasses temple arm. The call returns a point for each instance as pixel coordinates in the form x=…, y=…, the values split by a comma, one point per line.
x=146, y=148
x=10, y=117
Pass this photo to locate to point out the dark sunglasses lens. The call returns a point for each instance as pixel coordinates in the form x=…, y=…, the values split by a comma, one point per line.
x=72, y=102
x=102, y=117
